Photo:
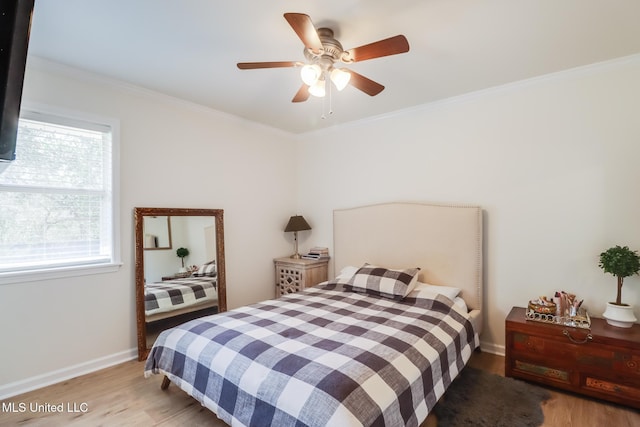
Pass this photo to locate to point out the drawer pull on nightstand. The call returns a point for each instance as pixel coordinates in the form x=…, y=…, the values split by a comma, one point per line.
x=589, y=337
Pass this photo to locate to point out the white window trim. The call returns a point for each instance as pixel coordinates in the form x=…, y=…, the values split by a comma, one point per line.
x=88, y=269
x=57, y=273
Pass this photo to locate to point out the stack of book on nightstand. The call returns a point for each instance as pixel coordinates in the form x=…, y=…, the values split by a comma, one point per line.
x=317, y=253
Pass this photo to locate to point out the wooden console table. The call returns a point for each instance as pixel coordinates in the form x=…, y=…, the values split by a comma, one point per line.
x=602, y=362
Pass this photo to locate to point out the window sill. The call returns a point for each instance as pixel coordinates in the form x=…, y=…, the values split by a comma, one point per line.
x=57, y=273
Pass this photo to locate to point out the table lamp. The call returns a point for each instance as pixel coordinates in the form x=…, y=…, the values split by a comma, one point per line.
x=296, y=223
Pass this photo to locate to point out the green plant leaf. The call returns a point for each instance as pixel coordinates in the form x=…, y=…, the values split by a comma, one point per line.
x=620, y=261
x=182, y=252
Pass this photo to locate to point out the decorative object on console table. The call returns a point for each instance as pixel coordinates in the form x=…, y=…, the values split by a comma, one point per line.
x=182, y=253
x=601, y=362
x=542, y=305
x=296, y=223
x=567, y=311
x=293, y=275
x=621, y=262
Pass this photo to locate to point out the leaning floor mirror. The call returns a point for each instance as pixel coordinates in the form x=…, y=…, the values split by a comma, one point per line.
x=179, y=269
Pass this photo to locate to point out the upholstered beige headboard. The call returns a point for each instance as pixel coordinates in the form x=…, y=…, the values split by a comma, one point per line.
x=445, y=241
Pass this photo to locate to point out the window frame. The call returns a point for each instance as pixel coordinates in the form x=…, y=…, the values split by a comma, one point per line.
x=33, y=110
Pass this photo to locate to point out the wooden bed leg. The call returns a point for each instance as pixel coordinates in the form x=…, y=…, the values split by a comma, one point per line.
x=165, y=383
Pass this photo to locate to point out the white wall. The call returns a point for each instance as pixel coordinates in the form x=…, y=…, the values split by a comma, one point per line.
x=175, y=155
x=553, y=162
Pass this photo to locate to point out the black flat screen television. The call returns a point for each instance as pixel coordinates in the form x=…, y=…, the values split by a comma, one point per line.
x=15, y=23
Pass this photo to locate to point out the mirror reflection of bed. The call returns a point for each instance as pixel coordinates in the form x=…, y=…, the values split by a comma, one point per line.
x=154, y=328
x=171, y=289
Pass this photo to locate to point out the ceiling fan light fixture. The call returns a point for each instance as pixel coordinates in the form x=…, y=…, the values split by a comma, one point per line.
x=322, y=52
x=310, y=74
x=340, y=78
x=318, y=88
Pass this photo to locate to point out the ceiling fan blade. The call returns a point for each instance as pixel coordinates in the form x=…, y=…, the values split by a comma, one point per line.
x=386, y=47
x=303, y=26
x=302, y=94
x=254, y=65
x=366, y=85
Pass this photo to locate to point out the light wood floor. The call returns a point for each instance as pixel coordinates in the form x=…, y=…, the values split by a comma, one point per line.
x=121, y=396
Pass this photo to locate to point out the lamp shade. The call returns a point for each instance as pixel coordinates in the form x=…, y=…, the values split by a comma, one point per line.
x=297, y=223
x=340, y=78
x=310, y=74
x=318, y=88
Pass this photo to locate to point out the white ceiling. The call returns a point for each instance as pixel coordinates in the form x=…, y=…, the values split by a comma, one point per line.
x=189, y=48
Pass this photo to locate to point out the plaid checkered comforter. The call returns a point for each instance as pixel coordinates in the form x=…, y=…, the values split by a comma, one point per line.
x=321, y=357
x=173, y=294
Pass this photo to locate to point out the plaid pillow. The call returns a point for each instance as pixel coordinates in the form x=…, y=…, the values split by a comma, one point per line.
x=395, y=284
x=208, y=269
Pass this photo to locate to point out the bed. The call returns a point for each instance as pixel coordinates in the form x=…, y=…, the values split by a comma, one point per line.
x=377, y=345
x=178, y=296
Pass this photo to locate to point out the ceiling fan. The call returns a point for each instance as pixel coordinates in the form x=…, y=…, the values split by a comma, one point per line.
x=323, y=51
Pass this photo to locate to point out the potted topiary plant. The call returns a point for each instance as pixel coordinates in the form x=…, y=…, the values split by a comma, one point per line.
x=182, y=253
x=621, y=262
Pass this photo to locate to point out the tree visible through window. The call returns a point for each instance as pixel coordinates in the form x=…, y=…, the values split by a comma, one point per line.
x=56, y=197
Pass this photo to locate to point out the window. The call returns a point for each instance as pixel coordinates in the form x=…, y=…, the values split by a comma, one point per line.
x=57, y=197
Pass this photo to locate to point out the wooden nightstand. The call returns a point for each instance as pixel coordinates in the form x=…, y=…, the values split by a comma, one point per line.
x=607, y=366
x=293, y=275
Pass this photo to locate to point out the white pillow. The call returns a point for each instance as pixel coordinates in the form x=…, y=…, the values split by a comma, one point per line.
x=206, y=270
x=461, y=303
x=448, y=291
x=347, y=272
x=427, y=294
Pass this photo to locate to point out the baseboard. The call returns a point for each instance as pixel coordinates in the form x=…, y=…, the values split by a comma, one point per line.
x=39, y=381
x=492, y=348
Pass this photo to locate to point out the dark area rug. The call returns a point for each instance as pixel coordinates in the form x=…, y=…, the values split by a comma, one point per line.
x=477, y=398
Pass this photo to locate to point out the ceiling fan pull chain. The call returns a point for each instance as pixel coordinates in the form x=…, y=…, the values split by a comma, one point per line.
x=323, y=103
